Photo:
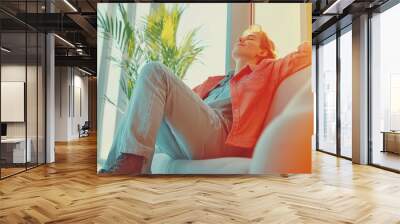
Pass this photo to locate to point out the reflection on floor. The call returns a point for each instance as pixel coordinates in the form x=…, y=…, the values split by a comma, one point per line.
x=387, y=159
x=10, y=171
x=13, y=169
x=346, y=152
x=69, y=191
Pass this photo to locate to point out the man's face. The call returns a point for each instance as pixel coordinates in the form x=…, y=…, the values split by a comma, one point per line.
x=248, y=47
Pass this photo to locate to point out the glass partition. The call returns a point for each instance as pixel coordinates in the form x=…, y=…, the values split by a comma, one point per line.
x=14, y=153
x=22, y=88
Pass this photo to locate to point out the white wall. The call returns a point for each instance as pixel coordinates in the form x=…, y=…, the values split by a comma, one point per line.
x=16, y=73
x=238, y=21
x=287, y=24
x=213, y=32
x=33, y=127
x=61, y=103
x=12, y=99
x=70, y=83
x=80, y=83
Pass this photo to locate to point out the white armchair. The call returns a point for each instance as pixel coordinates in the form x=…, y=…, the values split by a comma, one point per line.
x=283, y=147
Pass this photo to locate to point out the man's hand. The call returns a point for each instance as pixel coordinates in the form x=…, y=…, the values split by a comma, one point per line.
x=305, y=47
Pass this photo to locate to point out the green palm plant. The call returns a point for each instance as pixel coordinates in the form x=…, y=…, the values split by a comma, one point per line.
x=160, y=31
x=126, y=39
x=155, y=40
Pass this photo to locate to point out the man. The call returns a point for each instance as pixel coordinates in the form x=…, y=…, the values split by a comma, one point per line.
x=222, y=117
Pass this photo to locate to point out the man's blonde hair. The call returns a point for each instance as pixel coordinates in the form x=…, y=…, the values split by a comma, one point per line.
x=266, y=42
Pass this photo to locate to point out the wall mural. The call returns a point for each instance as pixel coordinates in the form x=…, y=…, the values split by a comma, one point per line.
x=252, y=114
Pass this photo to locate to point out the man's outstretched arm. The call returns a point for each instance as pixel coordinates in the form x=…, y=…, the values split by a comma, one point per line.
x=293, y=62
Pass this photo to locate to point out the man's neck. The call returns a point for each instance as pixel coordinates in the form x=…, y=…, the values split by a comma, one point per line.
x=240, y=64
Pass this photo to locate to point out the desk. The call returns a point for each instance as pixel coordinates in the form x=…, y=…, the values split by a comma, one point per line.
x=13, y=150
x=391, y=141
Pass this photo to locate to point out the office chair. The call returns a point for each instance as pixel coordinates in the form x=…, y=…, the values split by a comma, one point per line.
x=84, y=130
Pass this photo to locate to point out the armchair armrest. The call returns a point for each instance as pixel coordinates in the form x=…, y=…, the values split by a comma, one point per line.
x=285, y=144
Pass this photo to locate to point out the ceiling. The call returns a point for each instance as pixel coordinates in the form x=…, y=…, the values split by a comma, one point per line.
x=332, y=15
x=76, y=25
x=75, y=21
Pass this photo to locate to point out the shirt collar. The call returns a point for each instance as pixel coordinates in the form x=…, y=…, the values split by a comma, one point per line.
x=230, y=73
x=244, y=71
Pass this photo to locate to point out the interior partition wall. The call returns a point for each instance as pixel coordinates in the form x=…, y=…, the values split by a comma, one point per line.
x=334, y=94
x=23, y=88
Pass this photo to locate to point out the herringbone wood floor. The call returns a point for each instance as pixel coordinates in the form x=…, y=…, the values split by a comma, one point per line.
x=69, y=191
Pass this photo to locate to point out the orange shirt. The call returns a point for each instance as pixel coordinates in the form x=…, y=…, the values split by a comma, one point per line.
x=252, y=92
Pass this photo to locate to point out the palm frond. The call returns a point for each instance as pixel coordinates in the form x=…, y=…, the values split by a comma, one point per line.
x=118, y=30
x=154, y=40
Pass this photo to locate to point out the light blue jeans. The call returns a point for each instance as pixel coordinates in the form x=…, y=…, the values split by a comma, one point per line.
x=165, y=115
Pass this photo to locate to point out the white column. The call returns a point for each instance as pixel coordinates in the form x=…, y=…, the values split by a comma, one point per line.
x=50, y=99
x=360, y=90
x=314, y=91
x=50, y=92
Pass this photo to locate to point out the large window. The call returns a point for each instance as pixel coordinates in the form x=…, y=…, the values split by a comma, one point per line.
x=346, y=93
x=327, y=96
x=335, y=137
x=385, y=89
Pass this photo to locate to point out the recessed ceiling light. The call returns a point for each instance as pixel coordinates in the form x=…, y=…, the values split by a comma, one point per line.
x=84, y=71
x=64, y=40
x=70, y=5
x=5, y=50
x=337, y=7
